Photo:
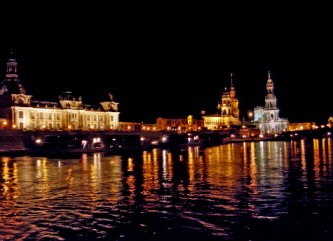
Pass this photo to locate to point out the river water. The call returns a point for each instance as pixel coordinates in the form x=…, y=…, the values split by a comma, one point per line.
x=270, y=190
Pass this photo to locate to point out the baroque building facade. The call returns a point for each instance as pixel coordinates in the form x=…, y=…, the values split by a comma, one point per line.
x=267, y=118
x=20, y=111
x=228, y=111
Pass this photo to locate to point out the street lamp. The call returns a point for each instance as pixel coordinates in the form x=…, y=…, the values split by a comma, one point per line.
x=250, y=115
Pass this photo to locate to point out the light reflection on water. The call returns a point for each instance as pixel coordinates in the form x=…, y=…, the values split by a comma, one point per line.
x=239, y=191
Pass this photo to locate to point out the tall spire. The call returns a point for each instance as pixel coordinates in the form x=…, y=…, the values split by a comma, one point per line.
x=231, y=84
x=232, y=88
x=270, y=99
x=269, y=77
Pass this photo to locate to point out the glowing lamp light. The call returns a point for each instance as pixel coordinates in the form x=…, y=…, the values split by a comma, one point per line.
x=154, y=142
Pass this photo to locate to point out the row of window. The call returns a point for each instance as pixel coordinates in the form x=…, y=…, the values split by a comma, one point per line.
x=30, y=119
x=50, y=116
x=58, y=126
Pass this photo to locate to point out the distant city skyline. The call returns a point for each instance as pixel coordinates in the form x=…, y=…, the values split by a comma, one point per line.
x=145, y=95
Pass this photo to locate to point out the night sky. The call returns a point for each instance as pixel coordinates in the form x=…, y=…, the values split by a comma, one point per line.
x=176, y=64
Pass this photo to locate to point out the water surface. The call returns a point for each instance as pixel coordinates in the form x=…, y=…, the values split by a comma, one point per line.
x=240, y=191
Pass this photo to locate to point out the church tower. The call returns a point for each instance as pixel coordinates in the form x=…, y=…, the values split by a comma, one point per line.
x=270, y=99
x=226, y=103
x=234, y=100
x=267, y=118
x=229, y=111
x=12, y=91
x=11, y=84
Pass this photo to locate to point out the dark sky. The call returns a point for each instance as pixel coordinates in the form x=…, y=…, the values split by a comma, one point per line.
x=172, y=64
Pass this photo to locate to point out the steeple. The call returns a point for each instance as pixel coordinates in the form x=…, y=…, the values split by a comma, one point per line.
x=270, y=85
x=270, y=99
x=12, y=84
x=11, y=72
x=232, y=88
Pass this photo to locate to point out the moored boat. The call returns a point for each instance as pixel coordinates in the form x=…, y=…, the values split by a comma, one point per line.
x=64, y=144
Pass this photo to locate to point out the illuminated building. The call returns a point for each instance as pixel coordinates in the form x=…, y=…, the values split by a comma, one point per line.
x=19, y=111
x=179, y=125
x=136, y=126
x=267, y=118
x=228, y=111
x=301, y=126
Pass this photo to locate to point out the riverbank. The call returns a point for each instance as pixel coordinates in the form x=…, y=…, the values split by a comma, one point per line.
x=15, y=142
x=12, y=142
